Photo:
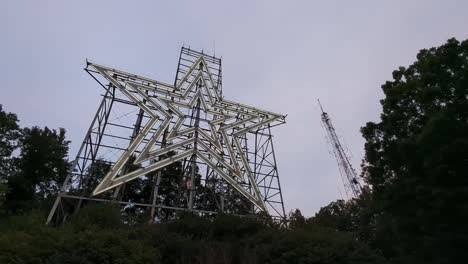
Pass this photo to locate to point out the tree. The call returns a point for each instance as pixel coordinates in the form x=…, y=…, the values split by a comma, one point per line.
x=319, y=245
x=3, y=192
x=42, y=167
x=9, y=135
x=171, y=189
x=296, y=219
x=94, y=174
x=337, y=215
x=216, y=193
x=355, y=216
x=235, y=202
x=417, y=158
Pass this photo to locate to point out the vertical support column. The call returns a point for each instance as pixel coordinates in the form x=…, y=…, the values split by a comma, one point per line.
x=157, y=181
x=192, y=180
x=255, y=162
x=222, y=196
x=276, y=168
x=194, y=156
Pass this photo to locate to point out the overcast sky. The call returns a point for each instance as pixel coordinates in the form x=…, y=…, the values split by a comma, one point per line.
x=277, y=55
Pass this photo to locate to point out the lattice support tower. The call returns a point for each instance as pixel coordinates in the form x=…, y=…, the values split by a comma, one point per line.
x=182, y=146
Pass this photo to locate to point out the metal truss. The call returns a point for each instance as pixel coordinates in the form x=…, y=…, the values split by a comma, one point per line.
x=221, y=151
x=349, y=176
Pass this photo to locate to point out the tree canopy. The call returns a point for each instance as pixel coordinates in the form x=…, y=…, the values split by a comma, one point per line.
x=417, y=156
x=9, y=135
x=41, y=167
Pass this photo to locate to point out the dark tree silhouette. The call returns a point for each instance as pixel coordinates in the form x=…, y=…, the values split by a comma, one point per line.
x=9, y=135
x=417, y=158
x=42, y=166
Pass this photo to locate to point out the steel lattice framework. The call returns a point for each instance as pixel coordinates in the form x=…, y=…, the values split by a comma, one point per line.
x=225, y=149
x=348, y=174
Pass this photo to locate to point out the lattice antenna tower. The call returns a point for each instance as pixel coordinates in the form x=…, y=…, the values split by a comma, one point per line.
x=348, y=174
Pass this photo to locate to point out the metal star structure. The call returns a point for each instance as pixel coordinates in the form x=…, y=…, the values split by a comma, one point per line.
x=217, y=142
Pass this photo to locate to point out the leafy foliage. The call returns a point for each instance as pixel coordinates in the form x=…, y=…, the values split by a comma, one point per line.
x=41, y=167
x=96, y=235
x=9, y=135
x=417, y=158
